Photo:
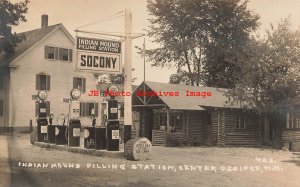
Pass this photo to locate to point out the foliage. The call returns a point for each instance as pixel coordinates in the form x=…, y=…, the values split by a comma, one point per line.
x=270, y=73
x=119, y=78
x=10, y=15
x=200, y=38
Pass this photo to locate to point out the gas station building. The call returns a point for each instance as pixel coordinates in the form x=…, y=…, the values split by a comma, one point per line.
x=45, y=60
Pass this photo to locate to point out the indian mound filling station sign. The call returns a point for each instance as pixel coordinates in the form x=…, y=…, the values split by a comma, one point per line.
x=98, y=55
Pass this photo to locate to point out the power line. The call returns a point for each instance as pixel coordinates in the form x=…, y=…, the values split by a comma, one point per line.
x=107, y=18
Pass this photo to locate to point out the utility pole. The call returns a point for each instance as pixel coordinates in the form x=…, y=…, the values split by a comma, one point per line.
x=144, y=55
x=128, y=77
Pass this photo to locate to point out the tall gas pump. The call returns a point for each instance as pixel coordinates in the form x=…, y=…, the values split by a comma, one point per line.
x=112, y=122
x=41, y=120
x=74, y=121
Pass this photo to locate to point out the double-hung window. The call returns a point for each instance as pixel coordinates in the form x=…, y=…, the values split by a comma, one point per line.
x=57, y=53
x=240, y=122
x=79, y=83
x=43, y=82
x=88, y=109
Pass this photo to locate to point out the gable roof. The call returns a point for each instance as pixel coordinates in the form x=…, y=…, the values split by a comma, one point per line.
x=29, y=39
x=218, y=98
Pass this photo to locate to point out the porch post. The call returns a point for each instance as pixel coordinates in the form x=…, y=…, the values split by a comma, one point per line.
x=168, y=120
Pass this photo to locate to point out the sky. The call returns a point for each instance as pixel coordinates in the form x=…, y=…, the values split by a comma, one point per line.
x=75, y=13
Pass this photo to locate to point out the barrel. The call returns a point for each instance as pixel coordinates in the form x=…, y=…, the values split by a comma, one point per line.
x=138, y=149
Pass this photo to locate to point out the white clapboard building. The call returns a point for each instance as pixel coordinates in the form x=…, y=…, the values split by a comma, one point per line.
x=45, y=60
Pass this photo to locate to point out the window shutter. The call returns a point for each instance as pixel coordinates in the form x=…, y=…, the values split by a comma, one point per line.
x=81, y=109
x=83, y=85
x=48, y=82
x=36, y=108
x=74, y=82
x=37, y=82
x=96, y=109
x=70, y=55
x=87, y=105
x=56, y=53
x=48, y=108
x=46, y=52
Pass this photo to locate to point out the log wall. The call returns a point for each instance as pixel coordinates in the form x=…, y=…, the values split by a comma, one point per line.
x=158, y=137
x=290, y=135
x=198, y=131
x=248, y=137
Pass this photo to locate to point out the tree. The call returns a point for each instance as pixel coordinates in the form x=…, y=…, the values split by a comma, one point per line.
x=10, y=15
x=200, y=38
x=270, y=73
x=119, y=78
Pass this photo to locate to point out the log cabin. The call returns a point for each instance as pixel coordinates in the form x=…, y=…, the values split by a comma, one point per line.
x=291, y=126
x=192, y=120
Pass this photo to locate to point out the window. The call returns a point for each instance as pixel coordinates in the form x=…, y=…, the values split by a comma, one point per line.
x=79, y=83
x=88, y=109
x=176, y=119
x=293, y=120
x=1, y=108
x=47, y=108
x=50, y=53
x=163, y=119
x=43, y=82
x=65, y=54
x=240, y=122
x=56, y=53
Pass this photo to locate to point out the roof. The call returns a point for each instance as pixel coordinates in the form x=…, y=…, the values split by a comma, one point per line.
x=29, y=39
x=218, y=98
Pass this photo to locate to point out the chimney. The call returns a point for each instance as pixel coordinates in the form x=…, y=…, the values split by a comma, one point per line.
x=44, y=21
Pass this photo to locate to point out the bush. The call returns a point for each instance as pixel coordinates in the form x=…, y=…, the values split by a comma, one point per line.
x=171, y=140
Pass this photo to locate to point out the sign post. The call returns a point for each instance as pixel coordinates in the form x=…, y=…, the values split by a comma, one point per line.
x=128, y=77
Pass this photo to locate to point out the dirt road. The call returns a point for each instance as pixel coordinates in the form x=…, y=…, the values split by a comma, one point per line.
x=188, y=166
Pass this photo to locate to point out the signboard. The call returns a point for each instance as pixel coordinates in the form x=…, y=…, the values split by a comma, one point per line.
x=98, y=55
x=113, y=110
x=115, y=134
x=35, y=97
x=138, y=149
x=76, y=132
x=44, y=129
x=86, y=133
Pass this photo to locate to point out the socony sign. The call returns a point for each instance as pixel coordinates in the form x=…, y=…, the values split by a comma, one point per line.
x=98, y=55
x=99, y=62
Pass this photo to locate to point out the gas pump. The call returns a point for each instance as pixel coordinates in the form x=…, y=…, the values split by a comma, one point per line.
x=42, y=117
x=74, y=121
x=112, y=123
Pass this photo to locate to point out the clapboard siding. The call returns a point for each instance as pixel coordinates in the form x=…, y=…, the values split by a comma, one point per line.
x=158, y=137
x=241, y=137
x=133, y=134
x=290, y=135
